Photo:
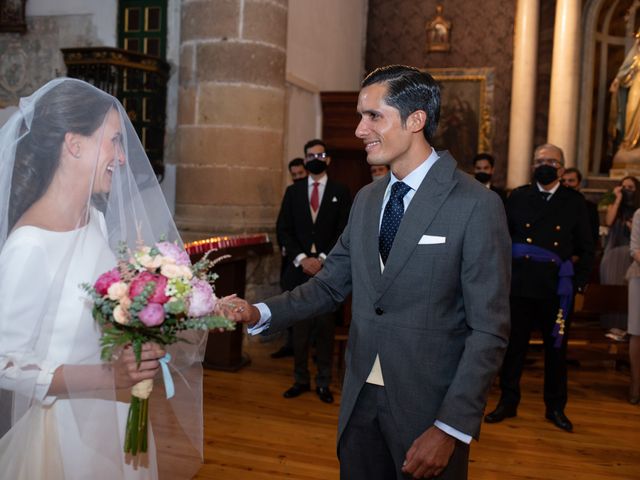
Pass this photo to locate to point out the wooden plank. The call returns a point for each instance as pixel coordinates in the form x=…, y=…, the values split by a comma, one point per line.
x=253, y=433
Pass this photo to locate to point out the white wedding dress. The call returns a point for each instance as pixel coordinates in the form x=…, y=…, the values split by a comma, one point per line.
x=43, y=309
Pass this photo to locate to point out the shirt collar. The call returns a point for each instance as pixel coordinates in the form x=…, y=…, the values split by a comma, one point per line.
x=322, y=180
x=415, y=178
x=552, y=191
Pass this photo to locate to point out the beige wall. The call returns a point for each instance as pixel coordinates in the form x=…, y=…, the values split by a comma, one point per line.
x=325, y=51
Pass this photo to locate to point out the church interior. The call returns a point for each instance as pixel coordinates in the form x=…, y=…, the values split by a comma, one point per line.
x=225, y=93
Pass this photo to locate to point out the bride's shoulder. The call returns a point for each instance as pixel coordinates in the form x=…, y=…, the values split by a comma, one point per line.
x=26, y=237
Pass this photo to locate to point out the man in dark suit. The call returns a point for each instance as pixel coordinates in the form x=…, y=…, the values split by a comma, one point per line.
x=312, y=216
x=426, y=258
x=572, y=178
x=483, y=169
x=549, y=226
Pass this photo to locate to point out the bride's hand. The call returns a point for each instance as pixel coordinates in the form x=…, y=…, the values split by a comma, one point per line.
x=126, y=370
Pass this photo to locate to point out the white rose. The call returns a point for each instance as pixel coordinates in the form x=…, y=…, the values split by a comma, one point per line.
x=120, y=315
x=165, y=260
x=171, y=271
x=117, y=290
x=149, y=262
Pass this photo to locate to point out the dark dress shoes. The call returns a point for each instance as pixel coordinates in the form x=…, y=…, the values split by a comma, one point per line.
x=325, y=394
x=500, y=413
x=559, y=419
x=283, y=352
x=295, y=391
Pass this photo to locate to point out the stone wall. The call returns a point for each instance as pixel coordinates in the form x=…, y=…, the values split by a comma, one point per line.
x=30, y=60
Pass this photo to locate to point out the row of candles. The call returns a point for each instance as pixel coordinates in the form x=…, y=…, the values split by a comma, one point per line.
x=227, y=241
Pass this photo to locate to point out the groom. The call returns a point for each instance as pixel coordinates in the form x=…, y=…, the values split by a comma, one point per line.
x=426, y=254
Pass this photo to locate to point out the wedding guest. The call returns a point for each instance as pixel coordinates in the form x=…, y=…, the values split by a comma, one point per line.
x=312, y=217
x=549, y=226
x=483, y=170
x=378, y=171
x=572, y=178
x=633, y=326
x=616, y=260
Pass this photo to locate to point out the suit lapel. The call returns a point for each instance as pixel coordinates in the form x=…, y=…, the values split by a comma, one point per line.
x=327, y=197
x=303, y=203
x=423, y=208
x=372, y=227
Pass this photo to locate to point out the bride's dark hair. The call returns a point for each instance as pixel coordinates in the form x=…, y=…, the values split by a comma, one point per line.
x=70, y=107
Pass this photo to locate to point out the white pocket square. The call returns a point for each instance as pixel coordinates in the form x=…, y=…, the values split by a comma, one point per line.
x=334, y=200
x=431, y=240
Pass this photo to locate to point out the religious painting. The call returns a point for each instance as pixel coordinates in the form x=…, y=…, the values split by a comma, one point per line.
x=466, y=122
x=12, y=16
x=438, y=32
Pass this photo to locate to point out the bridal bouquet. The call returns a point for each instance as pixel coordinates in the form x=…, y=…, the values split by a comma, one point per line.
x=152, y=295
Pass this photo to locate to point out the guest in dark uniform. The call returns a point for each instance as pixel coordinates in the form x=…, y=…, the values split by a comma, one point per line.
x=548, y=224
x=313, y=214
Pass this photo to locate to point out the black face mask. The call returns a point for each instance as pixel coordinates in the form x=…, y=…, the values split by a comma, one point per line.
x=545, y=174
x=316, y=166
x=297, y=180
x=628, y=197
x=483, y=177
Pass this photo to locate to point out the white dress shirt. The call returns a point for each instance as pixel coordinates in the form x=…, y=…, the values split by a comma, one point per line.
x=322, y=184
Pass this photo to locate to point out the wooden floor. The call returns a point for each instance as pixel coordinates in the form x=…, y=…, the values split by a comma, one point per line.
x=253, y=433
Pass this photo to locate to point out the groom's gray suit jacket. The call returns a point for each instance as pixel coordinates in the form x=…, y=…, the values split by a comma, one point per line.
x=438, y=316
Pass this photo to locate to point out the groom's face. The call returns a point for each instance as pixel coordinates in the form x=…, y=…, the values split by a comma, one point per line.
x=385, y=137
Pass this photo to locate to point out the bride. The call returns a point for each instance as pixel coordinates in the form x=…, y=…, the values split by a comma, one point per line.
x=76, y=184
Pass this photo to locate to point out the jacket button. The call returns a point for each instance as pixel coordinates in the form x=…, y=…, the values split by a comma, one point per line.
x=528, y=225
x=555, y=244
x=379, y=311
x=529, y=240
x=557, y=228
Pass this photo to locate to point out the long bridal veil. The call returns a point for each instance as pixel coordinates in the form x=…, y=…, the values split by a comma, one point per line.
x=76, y=185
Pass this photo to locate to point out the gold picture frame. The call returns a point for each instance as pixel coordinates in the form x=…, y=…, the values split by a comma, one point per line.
x=466, y=112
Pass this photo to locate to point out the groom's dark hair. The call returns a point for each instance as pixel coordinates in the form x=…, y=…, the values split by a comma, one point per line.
x=409, y=89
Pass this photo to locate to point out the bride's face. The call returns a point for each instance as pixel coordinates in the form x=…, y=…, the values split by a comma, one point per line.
x=110, y=152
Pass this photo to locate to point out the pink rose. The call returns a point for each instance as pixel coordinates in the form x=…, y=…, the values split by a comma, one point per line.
x=140, y=281
x=173, y=251
x=202, y=301
x=106, y=280
x=152, y=315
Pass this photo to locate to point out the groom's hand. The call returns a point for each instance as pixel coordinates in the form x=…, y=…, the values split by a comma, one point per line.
x=429, y=454
x=243, y=312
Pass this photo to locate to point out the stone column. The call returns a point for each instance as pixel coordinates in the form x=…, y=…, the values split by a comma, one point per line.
x=523, y=91
x=230, y=116
x=565, y=78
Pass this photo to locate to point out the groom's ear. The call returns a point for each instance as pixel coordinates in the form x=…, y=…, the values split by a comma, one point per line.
x=417, y=121
x=72, y=144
